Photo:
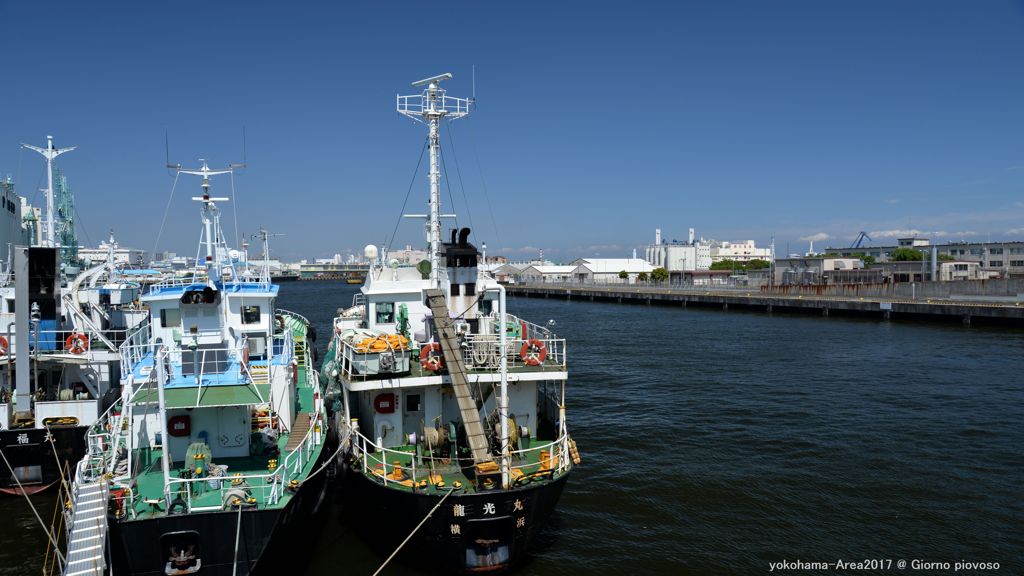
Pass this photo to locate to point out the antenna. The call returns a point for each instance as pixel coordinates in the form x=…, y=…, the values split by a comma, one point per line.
x=432, y=80
x=243, y=164
x=211, y=214
x=429, y=107
x=50, y=153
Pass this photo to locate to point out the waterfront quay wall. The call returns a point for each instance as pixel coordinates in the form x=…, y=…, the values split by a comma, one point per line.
x=1004, y=290
x=964, y=311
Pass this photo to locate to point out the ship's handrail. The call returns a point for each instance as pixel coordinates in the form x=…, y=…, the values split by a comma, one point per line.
x=481, y=354
x=135, y=347
x=558, y=460
x=532, y=330
x=55, y=341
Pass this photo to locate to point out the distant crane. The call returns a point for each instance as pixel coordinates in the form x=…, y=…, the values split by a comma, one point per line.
x=863, y=236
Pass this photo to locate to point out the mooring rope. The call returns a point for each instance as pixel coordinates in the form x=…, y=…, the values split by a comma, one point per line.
x=416, y=529
x=42, y=524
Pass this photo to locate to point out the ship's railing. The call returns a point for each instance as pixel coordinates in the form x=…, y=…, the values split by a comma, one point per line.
x=380, y=463
x=77, y=342
x=481, y=353
x=526, y=328
x=135, y=347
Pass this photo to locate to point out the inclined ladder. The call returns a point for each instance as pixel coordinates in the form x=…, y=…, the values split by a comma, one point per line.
x=453, y=361
x=87, y=532
x=298, y=432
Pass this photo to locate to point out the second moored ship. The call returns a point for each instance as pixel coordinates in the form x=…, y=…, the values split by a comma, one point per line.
x=216, y=455
x=454, y=409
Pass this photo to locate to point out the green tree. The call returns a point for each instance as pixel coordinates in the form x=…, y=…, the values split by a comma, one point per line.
x=905, y=254
x=867, y=259
x=946, y=258
x=757, y=264
x=623, y=275
x=642, y=276
x=725, y=265
x=659, y=274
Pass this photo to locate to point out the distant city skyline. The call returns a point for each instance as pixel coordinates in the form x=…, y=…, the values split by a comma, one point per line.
x=802, y=121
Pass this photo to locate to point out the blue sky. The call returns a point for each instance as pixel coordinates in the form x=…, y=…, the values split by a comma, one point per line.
x=596, y=122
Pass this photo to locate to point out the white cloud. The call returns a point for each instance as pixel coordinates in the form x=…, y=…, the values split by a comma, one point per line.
x=522, y=250
x=1015, y=231
x=905, y=233
x=819, y=237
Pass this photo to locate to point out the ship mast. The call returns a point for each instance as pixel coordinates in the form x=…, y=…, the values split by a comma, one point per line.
x=49, y=153
x=428, y=108
x=210, y=213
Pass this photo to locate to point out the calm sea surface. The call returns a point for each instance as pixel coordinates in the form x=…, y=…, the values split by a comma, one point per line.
x=719, y=442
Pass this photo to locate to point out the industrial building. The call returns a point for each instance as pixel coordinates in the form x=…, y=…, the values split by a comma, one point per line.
x=1006, y=258
x=676, y=256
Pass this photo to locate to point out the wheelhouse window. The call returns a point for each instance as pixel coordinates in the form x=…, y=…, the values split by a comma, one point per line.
x=250, y=314
x=485, y=307
x=170, y=318
x=385, y=312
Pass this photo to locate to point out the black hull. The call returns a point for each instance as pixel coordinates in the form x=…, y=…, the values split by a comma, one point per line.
x=487, y=539
x=271, y=542
x=31, y=455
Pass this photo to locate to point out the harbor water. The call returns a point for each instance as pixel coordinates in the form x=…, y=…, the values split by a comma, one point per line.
x=723, y=442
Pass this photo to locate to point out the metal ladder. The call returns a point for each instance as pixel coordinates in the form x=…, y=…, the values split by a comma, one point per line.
x=453, y=360
x=87, y=529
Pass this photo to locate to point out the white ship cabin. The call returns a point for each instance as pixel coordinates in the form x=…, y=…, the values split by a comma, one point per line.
x=396, y=386
x=228, y=360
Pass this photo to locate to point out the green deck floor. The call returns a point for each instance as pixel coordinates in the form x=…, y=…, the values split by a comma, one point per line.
x=528, y=463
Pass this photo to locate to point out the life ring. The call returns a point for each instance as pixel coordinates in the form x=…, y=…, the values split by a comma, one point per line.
x=533, y=352
x=3, y=346
x=431, y=358
x=77, y=343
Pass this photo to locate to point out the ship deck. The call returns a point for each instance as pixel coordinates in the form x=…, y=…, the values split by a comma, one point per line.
x=209, y=494
x=380, y=467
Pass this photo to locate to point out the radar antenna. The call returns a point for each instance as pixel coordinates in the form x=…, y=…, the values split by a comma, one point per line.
x=429, y=107
x=213, y=236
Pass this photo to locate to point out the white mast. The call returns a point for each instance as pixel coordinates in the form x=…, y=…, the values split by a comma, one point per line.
x=429, y=107
x=211, y=215
x=49, y=153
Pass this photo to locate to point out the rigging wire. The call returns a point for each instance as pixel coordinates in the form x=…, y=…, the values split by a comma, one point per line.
x=166, y=210
x=458, y=171
x=82, y=225
x=234, y=208
x=444, y=174
x=407, y=193
x=487, y=197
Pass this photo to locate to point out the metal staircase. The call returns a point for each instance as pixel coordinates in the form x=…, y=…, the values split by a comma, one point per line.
x=453, y=361
x=87, y=529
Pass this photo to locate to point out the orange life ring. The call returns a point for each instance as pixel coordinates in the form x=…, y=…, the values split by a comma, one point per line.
x=77, y=343
x=533, y=352
x=3, y=346
x=431, y=358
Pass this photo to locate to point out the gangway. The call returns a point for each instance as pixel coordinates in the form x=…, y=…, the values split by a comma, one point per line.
x=452, y=352
x=87, y=529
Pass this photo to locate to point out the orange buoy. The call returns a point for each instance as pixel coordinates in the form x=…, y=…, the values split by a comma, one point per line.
x=533, y=352
x=77, y=343
x=431, y=358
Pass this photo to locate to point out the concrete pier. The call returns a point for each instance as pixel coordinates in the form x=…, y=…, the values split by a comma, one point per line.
x=967, y=312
